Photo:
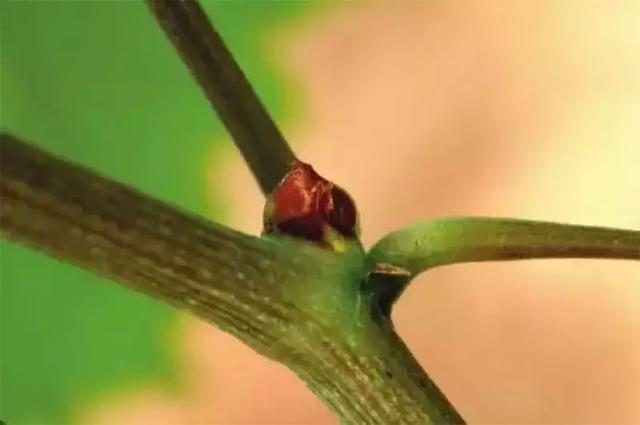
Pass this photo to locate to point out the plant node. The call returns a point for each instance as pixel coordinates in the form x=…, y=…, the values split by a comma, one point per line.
x=305, y=205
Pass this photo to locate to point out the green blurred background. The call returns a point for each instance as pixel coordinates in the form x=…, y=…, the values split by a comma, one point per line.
x=99, y=83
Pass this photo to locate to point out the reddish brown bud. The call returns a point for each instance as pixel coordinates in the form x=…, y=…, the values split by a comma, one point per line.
x=306, y=205
x=342, y=214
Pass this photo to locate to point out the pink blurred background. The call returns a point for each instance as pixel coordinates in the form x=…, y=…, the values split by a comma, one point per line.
x=426, y=109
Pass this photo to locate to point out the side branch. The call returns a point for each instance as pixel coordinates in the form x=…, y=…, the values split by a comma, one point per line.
x=457, y=240
x=227, y=89
x=221, y=275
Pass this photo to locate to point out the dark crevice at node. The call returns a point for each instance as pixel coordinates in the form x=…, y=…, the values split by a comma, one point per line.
x=384, y=284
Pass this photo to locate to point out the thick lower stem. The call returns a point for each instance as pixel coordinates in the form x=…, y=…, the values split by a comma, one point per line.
x=370, y=377
x=295, y=303
x=110, y=229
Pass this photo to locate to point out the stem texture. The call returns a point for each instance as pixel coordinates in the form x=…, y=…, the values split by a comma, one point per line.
x=293, y=302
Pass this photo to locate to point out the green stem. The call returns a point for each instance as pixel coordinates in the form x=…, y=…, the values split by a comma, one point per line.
x=300, y=305
x=457, y=240
x=115, y=231
x=227, y=89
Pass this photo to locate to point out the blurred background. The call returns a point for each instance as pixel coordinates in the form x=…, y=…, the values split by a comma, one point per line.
x=420, y=109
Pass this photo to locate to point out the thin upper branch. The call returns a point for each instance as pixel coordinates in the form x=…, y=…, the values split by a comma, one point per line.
x=457, y=240
x=228, y=90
